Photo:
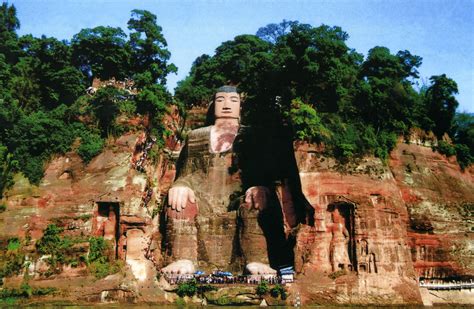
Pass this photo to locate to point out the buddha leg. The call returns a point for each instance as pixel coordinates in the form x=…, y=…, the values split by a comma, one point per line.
x=252, y=239
x=216, y=235
x=262, y=236
x=181, y=233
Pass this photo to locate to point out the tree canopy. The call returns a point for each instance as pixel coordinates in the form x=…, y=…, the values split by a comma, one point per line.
x=302, y=77
x=309, y=78
x=44, y=108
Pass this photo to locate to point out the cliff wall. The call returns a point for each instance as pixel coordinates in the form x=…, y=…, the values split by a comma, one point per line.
x=378, y=228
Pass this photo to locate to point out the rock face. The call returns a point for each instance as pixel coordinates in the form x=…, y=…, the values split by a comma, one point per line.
x=357, y=251
x=108, y=197
x=377, y=229
x=440, y=203
x=400, y=223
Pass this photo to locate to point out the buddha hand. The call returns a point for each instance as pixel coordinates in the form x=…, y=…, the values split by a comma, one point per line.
x=257, y=197
x=178, y=197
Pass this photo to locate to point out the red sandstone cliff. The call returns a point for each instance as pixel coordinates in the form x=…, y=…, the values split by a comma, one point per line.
x=377, y=230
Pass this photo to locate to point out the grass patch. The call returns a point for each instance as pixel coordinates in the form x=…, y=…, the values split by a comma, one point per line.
x=10, y=296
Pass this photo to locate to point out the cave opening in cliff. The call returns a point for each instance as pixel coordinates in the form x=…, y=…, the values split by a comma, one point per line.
x=108, y=222
x=343, y=247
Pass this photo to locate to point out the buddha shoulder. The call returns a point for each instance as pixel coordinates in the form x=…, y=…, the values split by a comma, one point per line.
x=198, y=139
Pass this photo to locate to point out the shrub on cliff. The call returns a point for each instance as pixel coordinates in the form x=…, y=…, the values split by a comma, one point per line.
x=446, y=148
x=278, y=290
x=306, y=122
x=188, y=288
x=11, y=295
x=36, y=137
x=12, y=258
x=50, y=242
x=262, y=288
x=59, y=248
x=91, y=145
x=98, y=248
x=464, y=155
x=7, y=167
x=100, y=261
x=101, y=269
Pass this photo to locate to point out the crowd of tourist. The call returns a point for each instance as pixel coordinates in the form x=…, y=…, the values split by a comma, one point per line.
x=216, y=279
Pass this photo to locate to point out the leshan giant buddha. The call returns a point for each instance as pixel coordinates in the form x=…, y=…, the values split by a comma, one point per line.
x=235, y=190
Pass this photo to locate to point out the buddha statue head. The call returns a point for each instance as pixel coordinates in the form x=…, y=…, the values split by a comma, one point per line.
x=225, y=105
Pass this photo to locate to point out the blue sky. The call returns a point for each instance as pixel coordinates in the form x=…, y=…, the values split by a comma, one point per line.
x=440, y=31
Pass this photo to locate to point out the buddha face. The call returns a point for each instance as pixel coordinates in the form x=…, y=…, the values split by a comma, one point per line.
x=227, y=105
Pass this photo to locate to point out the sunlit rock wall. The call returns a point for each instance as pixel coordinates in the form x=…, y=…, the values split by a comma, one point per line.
x=365, y=256
x=107, y=197
x=440, y=201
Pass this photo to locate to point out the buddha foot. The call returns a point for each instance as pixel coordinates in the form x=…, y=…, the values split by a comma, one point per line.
x=180, y=267
x=256, y=268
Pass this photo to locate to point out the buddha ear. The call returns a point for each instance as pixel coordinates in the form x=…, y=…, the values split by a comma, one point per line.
x=211, y=114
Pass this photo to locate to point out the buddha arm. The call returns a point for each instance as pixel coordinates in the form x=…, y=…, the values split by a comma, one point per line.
x=191, y=166
x=183, y=169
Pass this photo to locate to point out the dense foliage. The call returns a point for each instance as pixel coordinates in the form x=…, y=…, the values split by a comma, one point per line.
x=59, y=249
x=12, y=258
x=303, y=76
x=44, y=108
x=100, y=259
x=262, y=288
x=326, y=92
x=9, y=297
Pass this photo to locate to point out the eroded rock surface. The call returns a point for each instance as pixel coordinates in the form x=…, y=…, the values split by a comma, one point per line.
x=440, y=203
x=358, y=246
x=377, y=228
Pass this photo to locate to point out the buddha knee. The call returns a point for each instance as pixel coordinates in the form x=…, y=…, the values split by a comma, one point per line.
x=189, y=212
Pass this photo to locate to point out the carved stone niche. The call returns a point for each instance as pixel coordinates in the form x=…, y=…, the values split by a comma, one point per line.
x=341, y=225
x=366, y=258
x=106, y=222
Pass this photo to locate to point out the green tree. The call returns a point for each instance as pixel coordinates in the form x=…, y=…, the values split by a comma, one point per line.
x=315, y=64
x=99, y=258
x=5, y=73
x=9, y=23
x=50, y=242
x=272, y=32
x=91, y=143
x=238, y=61
x=7, y=167
x=25, y=84
x=106, y=108
x=385, y=98
x=262, y=288
x=58, y=80
x=306, y=122
x=441, y=103
x=463, y=136
x=148, y=48
x=35, y=137
x=189, y=288
x=463, y=130
x=101, y=52
x=153, y=100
